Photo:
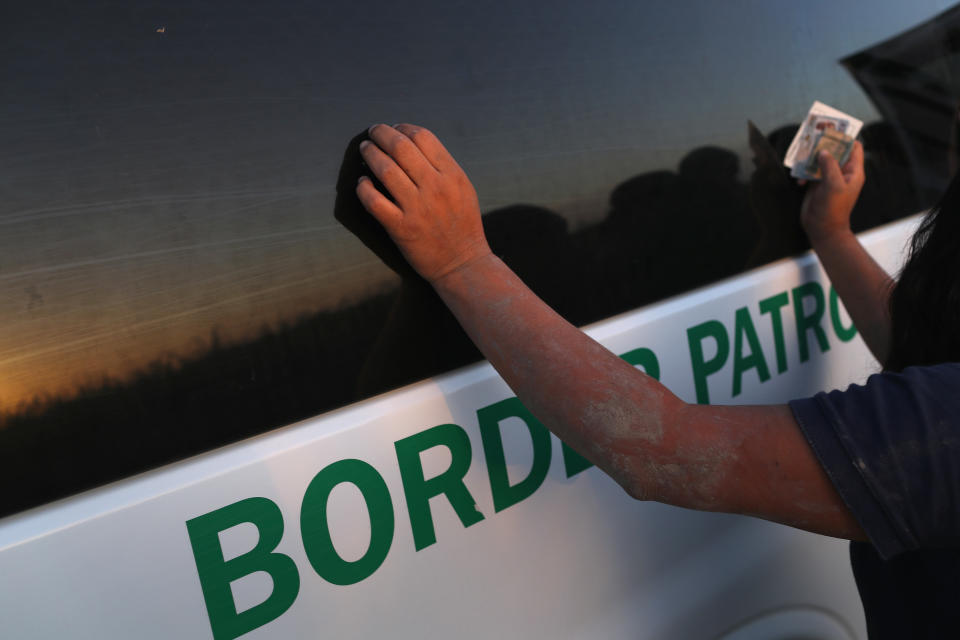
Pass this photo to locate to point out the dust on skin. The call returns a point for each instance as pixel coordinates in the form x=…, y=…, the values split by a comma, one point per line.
x=600, y=405
x=686, y=476
x=609, y=405
x=501, y=313
x=612, y=413
x=619, y=433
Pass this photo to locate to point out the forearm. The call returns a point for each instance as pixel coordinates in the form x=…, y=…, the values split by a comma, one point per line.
x=861, y=283
x=616, y=416
x=750, y=460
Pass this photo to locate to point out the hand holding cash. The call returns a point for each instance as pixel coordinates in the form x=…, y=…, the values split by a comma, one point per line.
x=824, y=129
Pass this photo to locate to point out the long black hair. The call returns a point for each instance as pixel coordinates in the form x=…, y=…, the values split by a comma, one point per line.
x=925, y=303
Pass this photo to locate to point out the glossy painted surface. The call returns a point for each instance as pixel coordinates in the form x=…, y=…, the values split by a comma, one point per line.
x=574, y=558
x=172, y=273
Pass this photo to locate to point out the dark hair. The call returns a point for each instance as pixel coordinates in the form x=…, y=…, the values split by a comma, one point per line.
x=925, y=303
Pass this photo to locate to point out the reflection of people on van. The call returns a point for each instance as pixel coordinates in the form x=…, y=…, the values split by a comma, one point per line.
x=886, y=194
x=618, y=254
x=712, y=200
x=875, y=463
x=644, y=251
x=774, y=198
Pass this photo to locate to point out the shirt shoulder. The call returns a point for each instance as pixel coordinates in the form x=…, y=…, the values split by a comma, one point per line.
x=891, y=447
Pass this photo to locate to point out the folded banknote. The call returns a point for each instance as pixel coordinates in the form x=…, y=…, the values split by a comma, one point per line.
x=823, y=129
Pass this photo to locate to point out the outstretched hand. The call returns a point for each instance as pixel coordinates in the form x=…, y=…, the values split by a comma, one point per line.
x=434, y=217
x=828, y=203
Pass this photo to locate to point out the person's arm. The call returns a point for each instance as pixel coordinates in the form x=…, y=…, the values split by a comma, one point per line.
x=860, y=282
x=749, y=460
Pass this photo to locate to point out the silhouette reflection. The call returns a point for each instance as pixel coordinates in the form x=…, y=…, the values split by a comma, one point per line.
x=665, y=232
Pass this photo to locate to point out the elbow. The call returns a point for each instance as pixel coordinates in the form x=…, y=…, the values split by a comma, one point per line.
x=633, y=490
x=621, y=470
x=626, y=471
x=636, y=488
x=692, y=486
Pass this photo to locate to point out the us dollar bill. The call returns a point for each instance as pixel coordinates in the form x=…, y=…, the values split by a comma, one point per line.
x=823, y=129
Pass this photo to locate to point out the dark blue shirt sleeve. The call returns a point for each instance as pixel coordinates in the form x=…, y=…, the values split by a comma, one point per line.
x=891, y=448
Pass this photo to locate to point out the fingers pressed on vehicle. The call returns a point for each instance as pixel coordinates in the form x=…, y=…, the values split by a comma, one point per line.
x=377, y=204
x=429, y=145
x=404, y=152
x=393, y=177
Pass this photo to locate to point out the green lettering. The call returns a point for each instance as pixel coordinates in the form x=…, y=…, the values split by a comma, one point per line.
x=315, y=528
x=743, y=327
x=573, y=462
x=505, y=495
x=809, y=322
x=773, y=305
x=216, y=574
x=419, y=490
x=846, y=334
x=703, y=368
